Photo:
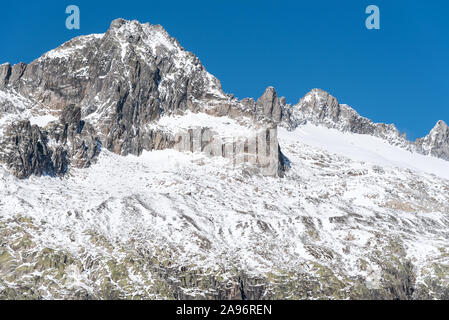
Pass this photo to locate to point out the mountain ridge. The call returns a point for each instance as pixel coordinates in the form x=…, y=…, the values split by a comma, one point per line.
x=96, y=204
x=126, y=78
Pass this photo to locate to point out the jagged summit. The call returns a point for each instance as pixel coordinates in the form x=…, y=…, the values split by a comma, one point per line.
x=119, y=22
x=270, y=105
x=125, y=48
x=440, y=130
x=441, y=126
x=124, y=80
x=121, y=83
x=436, y=143
x=316, y=93
x=321, y=108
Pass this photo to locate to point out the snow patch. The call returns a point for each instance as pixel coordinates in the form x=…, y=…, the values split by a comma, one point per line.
x=365, y=148
x=224, y=126
x=42, y=121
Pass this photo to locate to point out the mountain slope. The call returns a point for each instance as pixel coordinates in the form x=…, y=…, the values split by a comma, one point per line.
x=100, y=199
x=172, y=225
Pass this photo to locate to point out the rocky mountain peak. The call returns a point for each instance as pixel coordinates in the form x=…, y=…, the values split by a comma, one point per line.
x=319, y=104
x=321, y=108
x=120, y=83
x=144, y=35
x=270, y=105
x=441, y=126
x=317, y=94
x=436, y=143
x=440, y=131
x=123, y=81
x=118, y=23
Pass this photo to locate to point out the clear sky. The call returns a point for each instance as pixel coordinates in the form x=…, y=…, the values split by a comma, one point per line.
x=398, y=74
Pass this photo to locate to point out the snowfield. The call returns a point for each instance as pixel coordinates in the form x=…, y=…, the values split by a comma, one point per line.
x=361, y=147
x=223, y=126
x=349, y=204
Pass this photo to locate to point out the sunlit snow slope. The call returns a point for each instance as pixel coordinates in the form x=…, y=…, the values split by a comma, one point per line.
x=365, y=148
x=345, y=222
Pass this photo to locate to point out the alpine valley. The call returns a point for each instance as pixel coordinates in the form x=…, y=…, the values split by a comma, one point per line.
x=99, y=200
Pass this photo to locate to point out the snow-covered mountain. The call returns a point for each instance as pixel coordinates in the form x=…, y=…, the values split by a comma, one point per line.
x=436, y=143
x=127, y=172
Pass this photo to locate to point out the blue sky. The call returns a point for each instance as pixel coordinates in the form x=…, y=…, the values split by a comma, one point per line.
x=398, y=74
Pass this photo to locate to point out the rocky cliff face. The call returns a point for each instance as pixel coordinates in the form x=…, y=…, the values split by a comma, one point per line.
x=123, y=81
x=436, y=143
x=120, y=83
x=271, y=106
x=28, y=149
x=26, y=152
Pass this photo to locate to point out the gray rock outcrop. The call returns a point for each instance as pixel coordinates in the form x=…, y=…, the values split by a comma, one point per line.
x=269, y=105
x=25, y=151
x=30, y=150
x=436, y=143
x=5, y=73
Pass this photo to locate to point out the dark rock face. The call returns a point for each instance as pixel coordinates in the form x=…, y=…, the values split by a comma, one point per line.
x=284, y=163
x=5, y=73
x=25, y=151
x=17, y=72
x=77, y=137
x=268, y=105
x=125, y=79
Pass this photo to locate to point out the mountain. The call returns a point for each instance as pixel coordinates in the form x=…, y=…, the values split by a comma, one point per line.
x=127, y=172
x=320, y=108
x=436, y=143
x=118, y=83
